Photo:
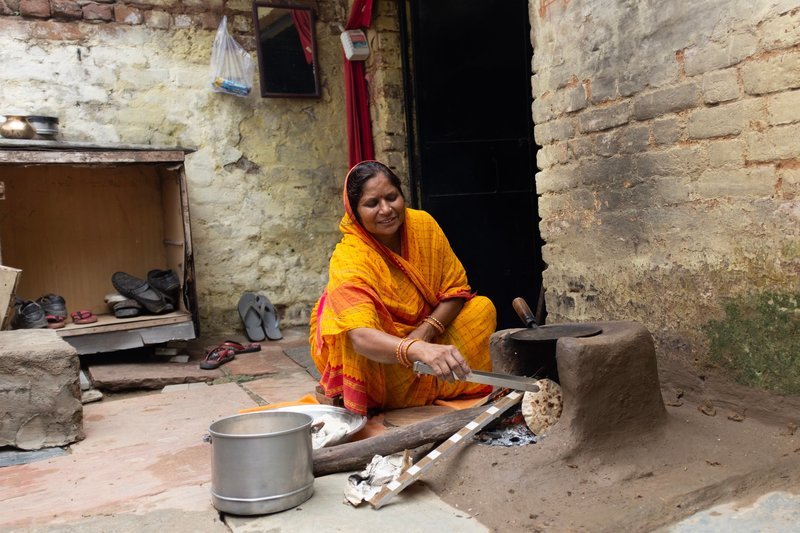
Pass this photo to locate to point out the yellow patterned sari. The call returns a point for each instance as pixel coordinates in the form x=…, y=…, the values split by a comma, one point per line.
x=372, y=287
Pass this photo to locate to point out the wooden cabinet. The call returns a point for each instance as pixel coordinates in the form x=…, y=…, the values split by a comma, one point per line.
x=72, y=214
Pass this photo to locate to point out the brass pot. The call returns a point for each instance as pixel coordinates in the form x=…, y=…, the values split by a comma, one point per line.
x=17, y=127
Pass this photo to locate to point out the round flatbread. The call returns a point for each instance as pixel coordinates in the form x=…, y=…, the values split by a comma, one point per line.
x=543, y=408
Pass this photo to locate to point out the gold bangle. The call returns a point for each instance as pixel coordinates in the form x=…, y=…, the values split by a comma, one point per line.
x=401, y=357
x=436, y=323
x=432, y=324
x=397, y=351
x=405, y=351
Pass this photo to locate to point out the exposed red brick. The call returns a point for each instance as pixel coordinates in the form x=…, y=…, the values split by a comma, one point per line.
x=35, y=8
x=248, y=42
x=210, y=21
x=128, y=15
x=56, y=31
x=66, y=9
x=98, y=12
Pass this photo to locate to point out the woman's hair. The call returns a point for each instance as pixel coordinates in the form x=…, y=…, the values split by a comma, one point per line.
x=362, y=173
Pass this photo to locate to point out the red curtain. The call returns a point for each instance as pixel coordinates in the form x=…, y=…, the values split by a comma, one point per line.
x=302, y=21
x=359, y=130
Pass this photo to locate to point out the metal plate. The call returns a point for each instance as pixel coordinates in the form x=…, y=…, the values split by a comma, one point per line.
x=555, y=331
x=355, y=422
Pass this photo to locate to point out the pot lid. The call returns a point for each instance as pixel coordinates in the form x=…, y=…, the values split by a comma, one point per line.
x=555, y=331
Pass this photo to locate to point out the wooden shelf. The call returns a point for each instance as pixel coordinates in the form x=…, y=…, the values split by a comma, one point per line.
x=110, y=323
x=75, y=213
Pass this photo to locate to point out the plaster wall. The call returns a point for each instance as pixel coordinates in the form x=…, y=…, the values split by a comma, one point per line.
x=265, y=180
x=669, y=143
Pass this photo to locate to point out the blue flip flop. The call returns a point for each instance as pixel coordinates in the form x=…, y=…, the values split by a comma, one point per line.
x=269, y=317
x=251, y=317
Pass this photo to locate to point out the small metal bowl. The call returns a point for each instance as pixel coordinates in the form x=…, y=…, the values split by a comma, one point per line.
x=46, y=127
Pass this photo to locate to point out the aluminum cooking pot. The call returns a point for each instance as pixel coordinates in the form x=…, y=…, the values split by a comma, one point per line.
x=261, y=462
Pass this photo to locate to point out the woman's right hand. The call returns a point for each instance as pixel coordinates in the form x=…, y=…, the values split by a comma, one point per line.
x=445, y=360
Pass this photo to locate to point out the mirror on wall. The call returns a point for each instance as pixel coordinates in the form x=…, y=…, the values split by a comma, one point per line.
x=287, y=49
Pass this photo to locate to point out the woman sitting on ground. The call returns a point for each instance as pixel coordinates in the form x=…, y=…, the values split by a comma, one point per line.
x=396, y=294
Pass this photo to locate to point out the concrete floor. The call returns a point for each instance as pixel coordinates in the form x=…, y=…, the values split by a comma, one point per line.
x=144, y=464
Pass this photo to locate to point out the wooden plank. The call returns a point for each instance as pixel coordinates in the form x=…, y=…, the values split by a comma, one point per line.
x=108, y=323
x=175, y=239
x=26, y=157
x=9, y=277
x=134, y=338
x=43, y=145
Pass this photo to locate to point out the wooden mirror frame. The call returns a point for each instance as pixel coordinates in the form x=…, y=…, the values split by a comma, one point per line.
x=271, y=77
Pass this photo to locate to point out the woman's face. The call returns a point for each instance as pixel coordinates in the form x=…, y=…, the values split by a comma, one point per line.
x=382, y=208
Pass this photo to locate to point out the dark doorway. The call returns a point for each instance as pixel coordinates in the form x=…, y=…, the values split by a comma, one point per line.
x=471, y=146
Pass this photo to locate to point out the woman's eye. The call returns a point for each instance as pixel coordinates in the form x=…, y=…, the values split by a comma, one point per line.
x=391, y=197
x=370, y=203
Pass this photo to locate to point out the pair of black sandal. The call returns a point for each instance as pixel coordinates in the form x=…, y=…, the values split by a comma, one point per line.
x=158, y=294
x=48, y=311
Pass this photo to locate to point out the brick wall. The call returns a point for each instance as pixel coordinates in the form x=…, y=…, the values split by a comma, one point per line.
x=669, y=164
x=264, y=181
x=154, y=14
x=385, y=81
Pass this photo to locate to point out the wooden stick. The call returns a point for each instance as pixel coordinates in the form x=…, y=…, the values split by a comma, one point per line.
x=356, y=455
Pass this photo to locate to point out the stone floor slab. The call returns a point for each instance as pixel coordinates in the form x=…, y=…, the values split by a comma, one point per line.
x=253, y=364
x=415, y=509
x=775, y=512
x=128, y=376
x=140, y=454
x=283, y=387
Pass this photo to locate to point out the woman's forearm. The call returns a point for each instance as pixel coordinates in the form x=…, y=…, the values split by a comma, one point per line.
x=443, y=315
x=448, y=310
x=383, y=348
x=374, y=344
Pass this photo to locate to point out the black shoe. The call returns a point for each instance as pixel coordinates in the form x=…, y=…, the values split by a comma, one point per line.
x=53, y=305
x=166, y=281
x=28, y=315
x=138, y=289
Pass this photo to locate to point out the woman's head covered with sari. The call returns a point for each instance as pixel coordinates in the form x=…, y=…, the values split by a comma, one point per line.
x=392, y=267
x=374, y=201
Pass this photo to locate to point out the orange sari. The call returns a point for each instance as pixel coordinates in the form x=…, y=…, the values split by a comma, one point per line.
x=370, y=286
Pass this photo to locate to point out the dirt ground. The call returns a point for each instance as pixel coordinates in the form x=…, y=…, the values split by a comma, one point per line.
x=721, y=443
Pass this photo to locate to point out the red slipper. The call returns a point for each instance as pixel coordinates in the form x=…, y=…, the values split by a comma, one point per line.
x=56, y=322
x=237, y=347
x=218, y=356
x=83, y=317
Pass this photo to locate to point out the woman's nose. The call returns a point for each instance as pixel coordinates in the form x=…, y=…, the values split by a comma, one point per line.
x=384, y=206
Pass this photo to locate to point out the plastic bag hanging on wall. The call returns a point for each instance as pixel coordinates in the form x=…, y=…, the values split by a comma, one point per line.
x=231, y=66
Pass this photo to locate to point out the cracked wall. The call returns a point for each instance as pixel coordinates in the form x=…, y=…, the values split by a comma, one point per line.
x=265, y=181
